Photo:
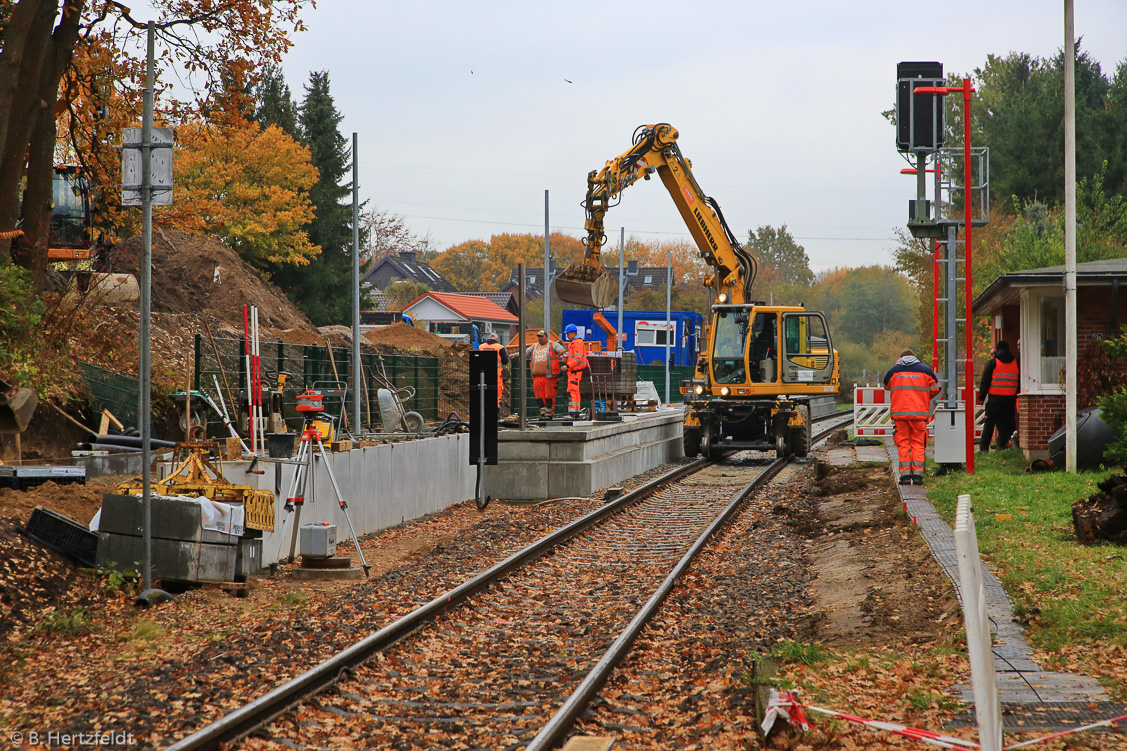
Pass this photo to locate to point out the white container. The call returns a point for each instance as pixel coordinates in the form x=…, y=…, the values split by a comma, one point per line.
x=318, y=540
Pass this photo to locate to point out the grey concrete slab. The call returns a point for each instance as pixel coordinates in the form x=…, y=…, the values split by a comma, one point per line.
x=581, y=459
x=1036, y=686
x=384, y=485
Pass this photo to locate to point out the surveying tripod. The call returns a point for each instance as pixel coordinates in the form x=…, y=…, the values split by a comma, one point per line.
x=310, y=405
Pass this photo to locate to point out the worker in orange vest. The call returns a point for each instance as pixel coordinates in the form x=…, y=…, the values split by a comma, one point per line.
x=912, y=385
x=576, y=364
x=1000, y=380
x=544, y=360
x=502, y=360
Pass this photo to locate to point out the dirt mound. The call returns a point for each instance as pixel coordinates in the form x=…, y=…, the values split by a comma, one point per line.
x=79, y=502
x=193, y=274
x=405, y=337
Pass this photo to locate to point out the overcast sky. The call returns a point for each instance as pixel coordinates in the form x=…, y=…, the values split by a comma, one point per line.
x=466, y=112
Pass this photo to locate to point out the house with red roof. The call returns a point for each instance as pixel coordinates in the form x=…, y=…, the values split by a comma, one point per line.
x=453, y=316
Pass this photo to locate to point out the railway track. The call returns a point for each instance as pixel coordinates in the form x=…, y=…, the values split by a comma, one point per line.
x=514, y=670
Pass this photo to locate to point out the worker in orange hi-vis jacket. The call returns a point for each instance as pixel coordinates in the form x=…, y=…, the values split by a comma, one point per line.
x=576, y=364
x=1000, y=382
x=502, y=360
x=544, y=361
x=913, y=386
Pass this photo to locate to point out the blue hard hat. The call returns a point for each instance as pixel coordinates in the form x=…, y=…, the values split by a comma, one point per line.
x=571, y=329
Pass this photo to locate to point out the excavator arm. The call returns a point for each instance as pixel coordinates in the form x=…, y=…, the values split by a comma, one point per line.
x=655, y=150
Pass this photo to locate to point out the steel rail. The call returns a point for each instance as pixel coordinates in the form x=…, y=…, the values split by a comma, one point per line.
x=250, y=717
x=561, y=722
x=243, y=721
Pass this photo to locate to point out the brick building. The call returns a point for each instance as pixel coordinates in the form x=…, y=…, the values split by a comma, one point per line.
x=1028, y=307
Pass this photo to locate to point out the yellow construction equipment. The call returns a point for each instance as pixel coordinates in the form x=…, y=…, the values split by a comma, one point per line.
x=197, y=476
x=766, y=368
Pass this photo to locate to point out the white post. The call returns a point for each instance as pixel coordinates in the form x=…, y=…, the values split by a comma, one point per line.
x=1069, y=240
x=987, y=706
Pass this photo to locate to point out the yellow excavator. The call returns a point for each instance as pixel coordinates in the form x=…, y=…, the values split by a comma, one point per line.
x=767, y=369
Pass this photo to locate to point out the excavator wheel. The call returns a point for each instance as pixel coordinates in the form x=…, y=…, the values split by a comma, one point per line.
x=781, y=448
x=800, y=435
x=706, y=440
x=691, y=438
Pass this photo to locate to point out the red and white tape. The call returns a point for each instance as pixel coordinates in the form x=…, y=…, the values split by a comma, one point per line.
x=786, y=704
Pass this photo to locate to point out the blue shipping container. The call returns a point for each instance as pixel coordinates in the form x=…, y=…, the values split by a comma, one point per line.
x=646, y=332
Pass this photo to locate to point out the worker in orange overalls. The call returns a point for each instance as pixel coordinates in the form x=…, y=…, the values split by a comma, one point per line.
x=912, y=385
x=544, y=360
x=1000, y=381
x=502, y=360
x=576, y=364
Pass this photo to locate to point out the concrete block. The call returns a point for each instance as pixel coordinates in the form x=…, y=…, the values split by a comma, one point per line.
x=521, y=480
x=248, y=560
x=171, y=519
x=172, y=559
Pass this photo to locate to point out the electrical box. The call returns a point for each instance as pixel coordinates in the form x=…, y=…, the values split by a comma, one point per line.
x=318, y=540
x=950, y=427
x=919, y=117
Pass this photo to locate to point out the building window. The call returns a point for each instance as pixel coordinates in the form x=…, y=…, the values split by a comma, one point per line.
x=1041, y=346
x=649, y=338
x=1051, y=338
x=532, y=280
x=648, y=280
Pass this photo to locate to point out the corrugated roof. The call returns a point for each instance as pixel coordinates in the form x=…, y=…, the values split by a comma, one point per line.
x=470, y=307
x=1002, y=290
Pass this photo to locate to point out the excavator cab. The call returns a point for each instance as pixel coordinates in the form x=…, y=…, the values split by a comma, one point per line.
x=70, y=234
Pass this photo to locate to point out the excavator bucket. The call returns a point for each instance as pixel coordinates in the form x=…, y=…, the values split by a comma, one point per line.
x=16, y=408
x=586, y=283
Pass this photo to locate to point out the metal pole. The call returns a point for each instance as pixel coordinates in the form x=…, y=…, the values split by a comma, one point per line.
x=968, y=207
x=621, y=281
x=951, y=324
x=521, y=376
x=144, y=411
x=1069, y=239
x=547, y=275
x=354, y=425
x=668, y=317
x=935, y=306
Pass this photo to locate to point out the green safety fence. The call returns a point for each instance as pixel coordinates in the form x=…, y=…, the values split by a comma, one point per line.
x=112, y=390
x=432, y=386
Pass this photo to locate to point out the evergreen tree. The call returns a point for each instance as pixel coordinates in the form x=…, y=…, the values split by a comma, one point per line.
x=323, y=289
x=274, y=103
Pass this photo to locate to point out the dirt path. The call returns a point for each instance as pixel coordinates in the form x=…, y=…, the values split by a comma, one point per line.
x=874, y=581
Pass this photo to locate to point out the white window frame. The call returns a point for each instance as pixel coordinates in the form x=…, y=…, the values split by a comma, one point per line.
x=645, y=333
x=1031, y=382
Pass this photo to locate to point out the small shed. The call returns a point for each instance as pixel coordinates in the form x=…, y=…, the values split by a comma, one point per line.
x=1027, y=310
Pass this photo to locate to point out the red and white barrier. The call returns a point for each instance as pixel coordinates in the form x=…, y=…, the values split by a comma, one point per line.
x=787, y=705
x=871, y=412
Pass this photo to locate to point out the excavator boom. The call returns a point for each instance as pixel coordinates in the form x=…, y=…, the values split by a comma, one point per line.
x=655, y=150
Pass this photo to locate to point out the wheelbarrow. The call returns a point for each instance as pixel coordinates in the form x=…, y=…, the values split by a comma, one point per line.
x=17, y=405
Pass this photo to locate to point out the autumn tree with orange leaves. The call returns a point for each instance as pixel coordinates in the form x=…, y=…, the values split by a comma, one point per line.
x=247, y=186
x=479, y=266
x=83, y=62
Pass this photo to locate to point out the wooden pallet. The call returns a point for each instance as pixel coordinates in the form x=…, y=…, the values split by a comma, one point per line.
x=235, y=589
